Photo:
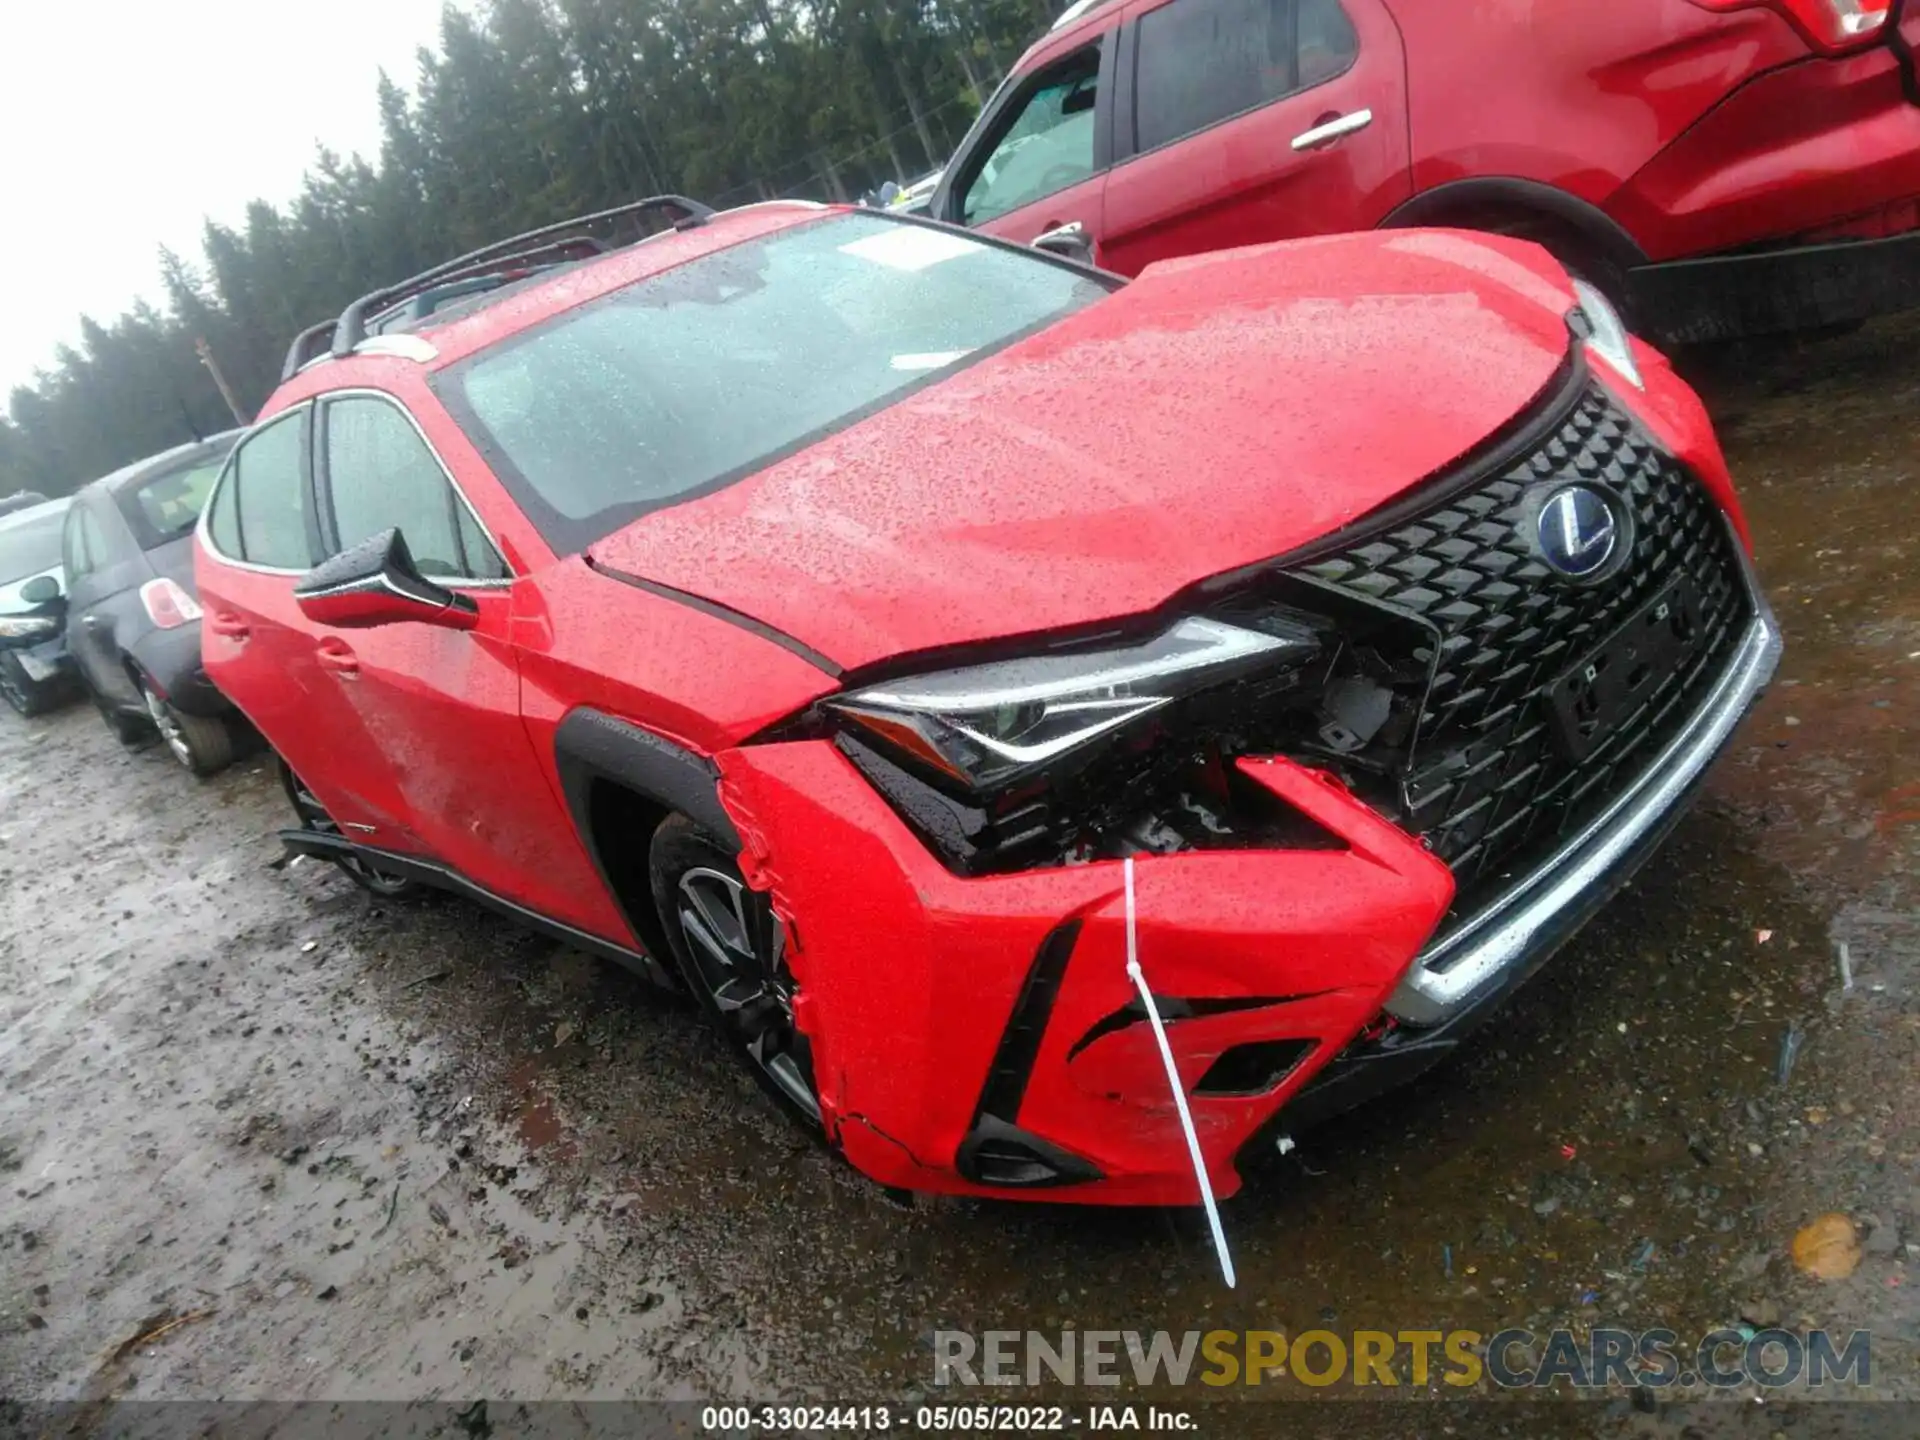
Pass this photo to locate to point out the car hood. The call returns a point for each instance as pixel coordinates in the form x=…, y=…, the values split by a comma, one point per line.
x=1218, y=411
x=10, y=601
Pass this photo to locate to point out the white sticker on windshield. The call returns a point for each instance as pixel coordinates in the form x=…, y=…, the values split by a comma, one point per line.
x=910, y=247
x=928, y=360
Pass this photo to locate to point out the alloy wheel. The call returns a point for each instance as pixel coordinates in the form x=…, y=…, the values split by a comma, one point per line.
x=313, y=816
x=739, y=956
x=163, y=719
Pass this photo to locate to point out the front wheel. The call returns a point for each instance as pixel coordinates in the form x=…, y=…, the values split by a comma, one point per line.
x=732, y=952
x=201, y=743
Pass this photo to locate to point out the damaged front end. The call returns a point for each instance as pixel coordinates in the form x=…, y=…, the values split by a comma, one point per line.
x=980, y=1034
x=1350, y=777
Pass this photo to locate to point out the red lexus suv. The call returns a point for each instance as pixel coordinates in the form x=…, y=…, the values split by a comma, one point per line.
x=1717, y=167
x=823, y=610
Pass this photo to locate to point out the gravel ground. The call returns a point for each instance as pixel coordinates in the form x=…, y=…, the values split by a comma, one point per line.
x=312, y=1146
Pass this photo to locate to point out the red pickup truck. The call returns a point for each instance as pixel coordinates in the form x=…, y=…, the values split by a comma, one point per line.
x=1720, y=167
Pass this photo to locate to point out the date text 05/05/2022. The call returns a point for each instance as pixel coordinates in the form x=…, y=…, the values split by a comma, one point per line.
x=1018, y=1419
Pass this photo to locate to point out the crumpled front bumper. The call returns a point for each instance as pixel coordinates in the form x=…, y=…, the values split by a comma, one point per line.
x=1458, y=980
x=1480, y=958
x=981, y=1036
x=951, y=1019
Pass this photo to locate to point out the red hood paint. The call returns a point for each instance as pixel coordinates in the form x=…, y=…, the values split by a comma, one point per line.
x=1218, y=411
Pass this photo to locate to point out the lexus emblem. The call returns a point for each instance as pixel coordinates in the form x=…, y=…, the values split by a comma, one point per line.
x=1579, y=531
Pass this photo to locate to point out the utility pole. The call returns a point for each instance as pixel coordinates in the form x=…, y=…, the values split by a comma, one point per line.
x=213, y=368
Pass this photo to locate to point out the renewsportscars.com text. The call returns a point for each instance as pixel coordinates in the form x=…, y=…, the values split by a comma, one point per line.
x=1509, y=1359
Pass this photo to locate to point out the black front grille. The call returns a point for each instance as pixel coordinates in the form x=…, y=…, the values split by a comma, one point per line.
x=1487, y=782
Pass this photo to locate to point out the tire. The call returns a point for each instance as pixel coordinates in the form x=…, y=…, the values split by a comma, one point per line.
x=731, y=953
x=314, y=817
x=26, y=695
x=201, y=743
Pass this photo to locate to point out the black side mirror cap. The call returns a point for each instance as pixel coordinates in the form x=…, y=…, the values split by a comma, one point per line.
x=377, y=583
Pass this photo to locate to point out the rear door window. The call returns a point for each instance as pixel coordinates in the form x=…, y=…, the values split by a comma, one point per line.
x=1046, y=141
x=1203, y=61
x=164, y=507
x=100, y=548
x=75, y=558
x=268, y=485
x=381, y=475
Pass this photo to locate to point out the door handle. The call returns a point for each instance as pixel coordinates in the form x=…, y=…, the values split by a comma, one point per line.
x=335, y=656
x=93, y=622
x=231, y=626
x=1329, y=131
x=1069, y=241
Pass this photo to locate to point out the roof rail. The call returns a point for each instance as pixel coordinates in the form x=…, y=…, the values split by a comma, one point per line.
x=306, y=345
x=586, y=247
x=351, y=328
x=521, y=263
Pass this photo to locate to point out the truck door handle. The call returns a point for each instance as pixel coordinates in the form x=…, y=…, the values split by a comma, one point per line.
x=231, y=626
x=1328, y=131
x=335, y=656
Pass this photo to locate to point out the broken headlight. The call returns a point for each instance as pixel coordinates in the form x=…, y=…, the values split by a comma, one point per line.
x=987, y=725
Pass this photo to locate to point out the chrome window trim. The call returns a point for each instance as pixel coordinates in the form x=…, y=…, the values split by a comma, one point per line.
x=203, y=528
x=452, y=582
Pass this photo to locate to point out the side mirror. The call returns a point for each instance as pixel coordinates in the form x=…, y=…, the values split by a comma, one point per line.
x=43, y=591
x=377, y=583
x=1070, y=242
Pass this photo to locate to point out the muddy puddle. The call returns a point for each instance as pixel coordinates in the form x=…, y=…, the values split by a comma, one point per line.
x=262, y=1137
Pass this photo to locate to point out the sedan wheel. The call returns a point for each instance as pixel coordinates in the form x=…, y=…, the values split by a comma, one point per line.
x=201, y=743
x=732, y=952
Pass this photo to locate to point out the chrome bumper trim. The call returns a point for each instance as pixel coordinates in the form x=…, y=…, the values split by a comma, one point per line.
x=1451, y=975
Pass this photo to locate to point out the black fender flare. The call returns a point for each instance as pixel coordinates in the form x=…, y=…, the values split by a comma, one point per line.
x=590, y=748
x=591, y=745
x=1510, y=195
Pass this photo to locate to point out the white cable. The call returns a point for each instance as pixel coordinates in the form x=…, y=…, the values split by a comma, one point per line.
x=1173, y=1079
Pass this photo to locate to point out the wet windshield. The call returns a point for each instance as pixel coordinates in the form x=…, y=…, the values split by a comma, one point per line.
x=692, y=378
x=30, y=543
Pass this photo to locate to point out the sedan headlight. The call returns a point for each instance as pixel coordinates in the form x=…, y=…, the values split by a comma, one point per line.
x=28, y=627
x=988, y=724
x=1606, y=335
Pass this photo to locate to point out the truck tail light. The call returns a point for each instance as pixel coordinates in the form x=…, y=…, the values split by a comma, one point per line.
x=168, y=605
x=1829, y=24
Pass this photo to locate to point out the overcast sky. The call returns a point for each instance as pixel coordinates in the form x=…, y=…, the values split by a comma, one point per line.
x=124, y=122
